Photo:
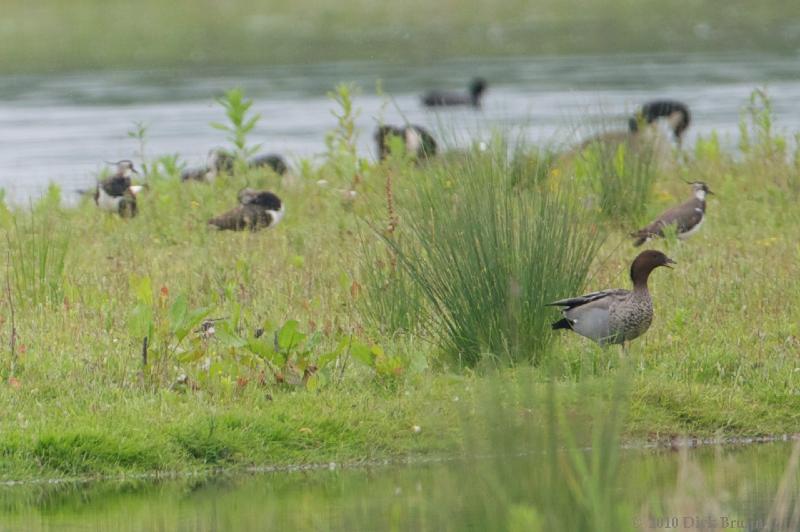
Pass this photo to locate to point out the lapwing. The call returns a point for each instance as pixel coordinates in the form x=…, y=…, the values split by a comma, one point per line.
x=116, y=193
x=686, y=217
x=257, y=209
x=418, y=142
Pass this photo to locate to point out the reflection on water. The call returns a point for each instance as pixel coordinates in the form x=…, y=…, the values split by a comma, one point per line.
x=734, y=483
x=61, y=128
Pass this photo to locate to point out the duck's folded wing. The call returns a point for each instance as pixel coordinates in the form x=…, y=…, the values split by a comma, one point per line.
x=601, y=297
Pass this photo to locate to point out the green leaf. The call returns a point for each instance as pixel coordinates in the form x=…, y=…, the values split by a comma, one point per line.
x=177, y=311
x=229, y=338
x=363, y=353
x=261, y=347
x=141, y=321
x=289, y=337
x=312, y=383
x=327, y=358
x=192, y=355
x=143, y=289
x=221, y=127
x=190, y=321
x=377, y=351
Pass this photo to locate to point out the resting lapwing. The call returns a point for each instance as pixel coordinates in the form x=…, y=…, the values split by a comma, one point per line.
x=257, y=209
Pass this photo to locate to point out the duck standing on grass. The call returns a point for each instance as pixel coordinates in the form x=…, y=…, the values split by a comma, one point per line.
x=258, y=209
x=446, y=99
x=614, y=316
x=686, y=217
x=116, y=194
x=416, y=139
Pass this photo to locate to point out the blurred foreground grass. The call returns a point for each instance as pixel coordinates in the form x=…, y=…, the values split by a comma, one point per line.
x=58, y=35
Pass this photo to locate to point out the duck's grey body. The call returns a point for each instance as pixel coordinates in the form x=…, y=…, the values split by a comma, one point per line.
x=686, y=217
x=614, y=316
x=611, y=316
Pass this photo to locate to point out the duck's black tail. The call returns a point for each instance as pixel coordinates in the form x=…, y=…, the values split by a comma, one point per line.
x=563, y=323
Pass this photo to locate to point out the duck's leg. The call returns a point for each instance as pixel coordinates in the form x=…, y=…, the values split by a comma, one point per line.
x=625, y=349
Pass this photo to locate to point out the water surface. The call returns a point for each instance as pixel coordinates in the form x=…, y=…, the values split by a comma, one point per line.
x=718, y=483
x=60, y=128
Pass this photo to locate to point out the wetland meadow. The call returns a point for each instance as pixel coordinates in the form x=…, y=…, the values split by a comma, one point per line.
x=383, y=358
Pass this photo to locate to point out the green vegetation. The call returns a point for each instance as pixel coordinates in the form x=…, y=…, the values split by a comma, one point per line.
x=61, y=35
x=521, y=471
x=271, y=348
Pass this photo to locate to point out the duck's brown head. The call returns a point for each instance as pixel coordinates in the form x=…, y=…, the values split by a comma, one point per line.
x=646, y=262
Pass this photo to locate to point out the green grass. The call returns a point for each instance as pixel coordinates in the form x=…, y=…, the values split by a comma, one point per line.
x=60, y=35
x=720, y=358
x=487, y=257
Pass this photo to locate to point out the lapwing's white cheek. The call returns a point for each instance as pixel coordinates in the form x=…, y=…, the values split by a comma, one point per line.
x=700, y=194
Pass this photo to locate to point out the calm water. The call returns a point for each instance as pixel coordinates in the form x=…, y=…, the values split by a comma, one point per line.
x=733, y=482
x=61, y=128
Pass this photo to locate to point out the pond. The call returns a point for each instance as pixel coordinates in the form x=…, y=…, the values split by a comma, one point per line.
x=714, y=487
x=61, y=127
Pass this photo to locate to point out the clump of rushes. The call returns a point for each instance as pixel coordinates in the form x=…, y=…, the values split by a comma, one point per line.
x=486, y=258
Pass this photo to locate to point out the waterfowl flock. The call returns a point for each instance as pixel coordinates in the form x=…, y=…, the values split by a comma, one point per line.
x=611, y=316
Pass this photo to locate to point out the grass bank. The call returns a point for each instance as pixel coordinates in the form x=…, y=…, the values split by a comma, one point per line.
x=92, y=34
x=329, y=380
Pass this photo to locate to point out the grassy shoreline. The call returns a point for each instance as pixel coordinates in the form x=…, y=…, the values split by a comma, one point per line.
x=178, y=435
x=82, y=288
